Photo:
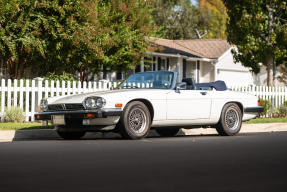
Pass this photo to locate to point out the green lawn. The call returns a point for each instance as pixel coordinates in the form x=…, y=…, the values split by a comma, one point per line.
x=23, y=126
x=267, y=120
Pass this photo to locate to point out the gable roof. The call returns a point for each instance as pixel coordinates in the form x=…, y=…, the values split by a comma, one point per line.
x=202, y=48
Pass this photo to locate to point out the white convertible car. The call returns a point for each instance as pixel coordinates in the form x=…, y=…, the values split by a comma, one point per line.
x=151, y=100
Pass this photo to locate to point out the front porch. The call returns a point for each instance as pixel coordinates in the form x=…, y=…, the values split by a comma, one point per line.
x=202, y=70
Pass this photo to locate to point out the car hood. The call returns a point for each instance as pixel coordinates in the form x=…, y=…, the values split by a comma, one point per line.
x=108, y=95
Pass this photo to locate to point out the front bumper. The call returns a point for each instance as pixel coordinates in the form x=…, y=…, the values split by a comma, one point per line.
x=81, y=114
x=258, y=109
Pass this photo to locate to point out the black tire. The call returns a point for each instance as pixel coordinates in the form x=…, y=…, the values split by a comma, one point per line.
x=75, y=135
x=135, y=121
x=230, y=120
x=167, y=132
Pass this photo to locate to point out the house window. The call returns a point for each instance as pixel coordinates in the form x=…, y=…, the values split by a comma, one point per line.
x=184, y=68
x=159, y=64
x=104, y=72
x=119, y=75
x=138, y=69
x=198, y=71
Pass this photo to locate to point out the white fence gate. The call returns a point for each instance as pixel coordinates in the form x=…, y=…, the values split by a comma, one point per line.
x=27, y=94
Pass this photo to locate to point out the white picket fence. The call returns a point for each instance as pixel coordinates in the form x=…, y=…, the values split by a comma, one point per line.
x=27, y=94
x=276, y=95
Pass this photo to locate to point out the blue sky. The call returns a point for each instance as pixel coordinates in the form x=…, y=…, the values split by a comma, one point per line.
x=194, y=2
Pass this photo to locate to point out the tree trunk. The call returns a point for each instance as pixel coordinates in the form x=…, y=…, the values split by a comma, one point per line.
x=270, y=73
x=270, y=62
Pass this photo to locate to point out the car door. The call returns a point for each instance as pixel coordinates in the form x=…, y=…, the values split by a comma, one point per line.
x=189, y=104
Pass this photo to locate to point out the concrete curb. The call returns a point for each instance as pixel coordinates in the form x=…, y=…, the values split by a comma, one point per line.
x=48, y=134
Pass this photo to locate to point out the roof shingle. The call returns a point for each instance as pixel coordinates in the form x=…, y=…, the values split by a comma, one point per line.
x=204, y=48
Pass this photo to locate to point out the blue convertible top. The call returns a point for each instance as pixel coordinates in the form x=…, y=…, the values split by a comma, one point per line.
x=218, y=85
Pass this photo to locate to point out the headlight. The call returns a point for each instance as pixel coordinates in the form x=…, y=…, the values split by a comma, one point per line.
x=94, y=102
x=44, y=105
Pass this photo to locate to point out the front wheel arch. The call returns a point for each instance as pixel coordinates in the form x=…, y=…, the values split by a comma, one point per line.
x=234, y=102
x=148, y=105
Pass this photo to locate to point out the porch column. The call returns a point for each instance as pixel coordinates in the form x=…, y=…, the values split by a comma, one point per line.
x=142, y=64
x=179, y=67
x=215, y=72
x=156, y=62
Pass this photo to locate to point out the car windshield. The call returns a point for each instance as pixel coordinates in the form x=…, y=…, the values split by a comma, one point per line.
x=149, y=80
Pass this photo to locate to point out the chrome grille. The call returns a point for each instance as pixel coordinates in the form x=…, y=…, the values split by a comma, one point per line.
x=66, y=107
x=74, y=107
x=57, y=107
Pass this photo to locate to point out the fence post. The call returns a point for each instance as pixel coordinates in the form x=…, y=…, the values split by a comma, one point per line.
x=9, y=90
x=15, y=94
x=33, y=100
x=2, y=99
x=27, y=101
x=39, y=91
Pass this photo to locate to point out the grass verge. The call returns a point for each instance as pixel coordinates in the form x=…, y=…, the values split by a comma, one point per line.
x=267, y=120
x=23, y=126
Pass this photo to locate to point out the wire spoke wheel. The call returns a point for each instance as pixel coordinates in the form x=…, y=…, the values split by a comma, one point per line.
x=232, y=119
x=137, y=120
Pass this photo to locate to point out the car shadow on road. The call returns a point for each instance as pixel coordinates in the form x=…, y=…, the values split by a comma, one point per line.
x=50, y=134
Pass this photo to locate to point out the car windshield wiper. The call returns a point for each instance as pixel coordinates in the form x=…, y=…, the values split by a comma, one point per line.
x=130, y=86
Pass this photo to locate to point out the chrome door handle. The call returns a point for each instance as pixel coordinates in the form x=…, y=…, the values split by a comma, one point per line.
x=203, y=93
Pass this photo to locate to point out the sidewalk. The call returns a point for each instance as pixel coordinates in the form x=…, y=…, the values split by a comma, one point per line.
x=47, y=134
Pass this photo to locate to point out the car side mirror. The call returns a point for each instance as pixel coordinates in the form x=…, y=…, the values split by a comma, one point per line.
x=180, y=86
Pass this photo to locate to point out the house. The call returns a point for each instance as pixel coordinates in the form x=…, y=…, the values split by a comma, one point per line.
x=205, y=60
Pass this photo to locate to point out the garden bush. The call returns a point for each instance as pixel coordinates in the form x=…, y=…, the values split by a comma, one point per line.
x=14, y=114
x=267, y=107
x=283, y=111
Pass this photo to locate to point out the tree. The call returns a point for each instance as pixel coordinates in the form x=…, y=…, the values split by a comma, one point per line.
x=176, y=19
x=38, y=34
x=258, y=29
x=124, y=25
x=213, y=17
x=283, y=74
x=57, y=36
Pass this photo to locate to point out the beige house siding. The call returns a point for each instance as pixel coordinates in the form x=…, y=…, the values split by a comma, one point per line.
x=226, y=62
x=206, y=72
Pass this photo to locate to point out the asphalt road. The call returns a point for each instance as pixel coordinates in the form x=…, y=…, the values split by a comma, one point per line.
x=247, y=162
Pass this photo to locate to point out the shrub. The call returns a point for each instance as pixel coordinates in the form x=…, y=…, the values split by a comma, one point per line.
x=63, y=77
x=274, y=112
x=283, y=111
x=267, y=106
x=14, y=114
